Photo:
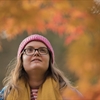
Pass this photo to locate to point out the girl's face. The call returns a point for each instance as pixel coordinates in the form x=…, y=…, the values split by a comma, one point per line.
x=37, y=62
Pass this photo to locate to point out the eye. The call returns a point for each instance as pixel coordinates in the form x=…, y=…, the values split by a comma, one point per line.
x=43, y=50
x=29, y=49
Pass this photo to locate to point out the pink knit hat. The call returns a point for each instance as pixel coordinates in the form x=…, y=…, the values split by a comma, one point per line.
x=36, y=37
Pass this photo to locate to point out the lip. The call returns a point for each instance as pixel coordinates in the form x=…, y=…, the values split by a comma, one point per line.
x=36, y=59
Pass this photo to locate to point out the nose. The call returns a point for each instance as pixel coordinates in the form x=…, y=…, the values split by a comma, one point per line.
x=36, y=53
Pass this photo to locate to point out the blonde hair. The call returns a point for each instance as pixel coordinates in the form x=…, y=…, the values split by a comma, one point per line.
x=16, y=71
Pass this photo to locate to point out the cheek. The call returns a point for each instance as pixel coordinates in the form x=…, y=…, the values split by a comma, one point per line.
x=25, y=61
x=47, y=61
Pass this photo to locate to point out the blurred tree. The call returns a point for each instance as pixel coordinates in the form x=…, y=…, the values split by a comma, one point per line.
x=33, y=16
x=83, y=59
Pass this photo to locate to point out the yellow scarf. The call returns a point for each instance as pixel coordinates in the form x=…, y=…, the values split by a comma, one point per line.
x=48, y=91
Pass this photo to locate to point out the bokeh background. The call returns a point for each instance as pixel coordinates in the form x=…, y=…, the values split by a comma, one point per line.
x=73, y=28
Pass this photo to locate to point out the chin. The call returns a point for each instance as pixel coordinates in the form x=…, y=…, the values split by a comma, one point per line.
x=39, y=67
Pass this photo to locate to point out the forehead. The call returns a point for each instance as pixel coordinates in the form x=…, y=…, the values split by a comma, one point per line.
x=36, y=44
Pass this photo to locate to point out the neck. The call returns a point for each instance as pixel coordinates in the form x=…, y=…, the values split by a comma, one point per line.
x=35, y=81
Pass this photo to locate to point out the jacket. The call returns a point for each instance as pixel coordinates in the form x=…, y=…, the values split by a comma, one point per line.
x=2, y=94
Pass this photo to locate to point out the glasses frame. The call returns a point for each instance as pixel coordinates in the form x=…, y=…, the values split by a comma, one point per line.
x=34, y=50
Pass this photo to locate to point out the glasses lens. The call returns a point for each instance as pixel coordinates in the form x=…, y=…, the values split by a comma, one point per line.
x=43, y=50
x=29, y=51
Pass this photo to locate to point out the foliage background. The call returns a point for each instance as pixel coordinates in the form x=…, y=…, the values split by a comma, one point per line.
x=72, y=26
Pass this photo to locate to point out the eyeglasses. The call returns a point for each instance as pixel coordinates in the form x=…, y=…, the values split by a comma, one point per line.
x=31, y=51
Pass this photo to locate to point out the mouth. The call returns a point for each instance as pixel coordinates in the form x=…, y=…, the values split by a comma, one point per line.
x=36, y=60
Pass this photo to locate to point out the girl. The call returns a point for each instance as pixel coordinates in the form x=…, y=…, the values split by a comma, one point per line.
x=34, y=75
